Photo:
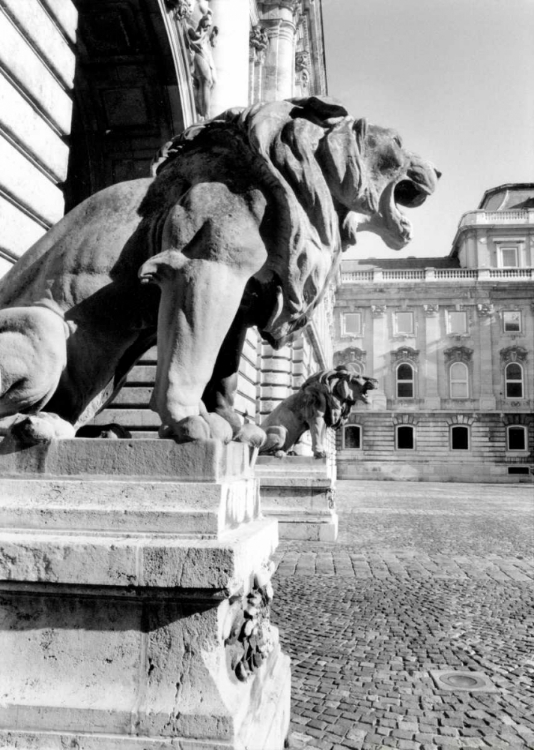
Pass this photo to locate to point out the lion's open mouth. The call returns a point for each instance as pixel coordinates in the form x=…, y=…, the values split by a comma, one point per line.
x=409, y=192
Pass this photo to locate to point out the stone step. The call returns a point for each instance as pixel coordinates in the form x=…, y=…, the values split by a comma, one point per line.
x=183, y=509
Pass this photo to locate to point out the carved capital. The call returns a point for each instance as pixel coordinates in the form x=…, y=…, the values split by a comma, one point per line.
x=377, y=311
x=485, y=310
x=181, y=9
x=405, y=353
x=513, y=354
x=430, y=310
x=259, y=38
x=458, y=354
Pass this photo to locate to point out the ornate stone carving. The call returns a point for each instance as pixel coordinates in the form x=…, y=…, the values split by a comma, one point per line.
x=181, y=9
x=485, y=310
x=302, y=71
x=513, y=354
x=78, y=307
x=431, y=310
x=251, y=637
x=324, y=400
x=406, y=354
x=378, y=311
x=259, y=39
x=350, y=354
x=458, y=354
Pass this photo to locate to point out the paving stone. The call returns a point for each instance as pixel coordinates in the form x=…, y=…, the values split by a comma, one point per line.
x=435, y=582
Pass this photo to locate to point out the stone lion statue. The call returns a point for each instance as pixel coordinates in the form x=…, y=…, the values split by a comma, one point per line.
x=323, y=400
x=242, y=224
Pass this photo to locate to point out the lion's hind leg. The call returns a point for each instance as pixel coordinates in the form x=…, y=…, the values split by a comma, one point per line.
x=275, y=442
x=33, y=354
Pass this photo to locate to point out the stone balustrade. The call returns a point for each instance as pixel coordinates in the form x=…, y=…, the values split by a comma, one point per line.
x=437, y=274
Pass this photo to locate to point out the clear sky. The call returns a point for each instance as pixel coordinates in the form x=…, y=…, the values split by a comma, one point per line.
x=456, y=79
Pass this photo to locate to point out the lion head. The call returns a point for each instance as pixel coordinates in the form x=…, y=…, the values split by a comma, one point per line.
x=345, y=389
x=330, y=176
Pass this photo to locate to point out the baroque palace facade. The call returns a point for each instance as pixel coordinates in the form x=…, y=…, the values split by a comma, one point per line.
x=89, y=91
x=451, y=342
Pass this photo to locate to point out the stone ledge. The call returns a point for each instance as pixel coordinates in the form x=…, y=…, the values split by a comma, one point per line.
x=136, y=559
x=208, y=461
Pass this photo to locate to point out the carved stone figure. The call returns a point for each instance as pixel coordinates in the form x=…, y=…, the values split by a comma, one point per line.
x=200, y=41
x=324, y=400
x=242, y=225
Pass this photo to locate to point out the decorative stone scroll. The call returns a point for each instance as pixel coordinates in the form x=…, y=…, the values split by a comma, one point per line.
x=458, y=354
x=430, y=310
x=513, y=354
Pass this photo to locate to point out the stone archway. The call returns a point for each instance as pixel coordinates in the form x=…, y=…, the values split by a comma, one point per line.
x=129, y=93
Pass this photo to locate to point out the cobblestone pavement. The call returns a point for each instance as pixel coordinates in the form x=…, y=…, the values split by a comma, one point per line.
x=424, y=577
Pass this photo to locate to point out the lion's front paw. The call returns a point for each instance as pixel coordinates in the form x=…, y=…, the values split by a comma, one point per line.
x=319, y=454
x=40, y=428
x=196, y=428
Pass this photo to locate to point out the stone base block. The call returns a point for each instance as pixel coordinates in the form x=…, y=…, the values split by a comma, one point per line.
x=299, y=492
x=134, y=611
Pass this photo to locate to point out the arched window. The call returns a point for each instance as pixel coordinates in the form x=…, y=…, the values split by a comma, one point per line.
x=405, y=381
x=405, y=437
x=513, y=377
x=516, y=438
x=459, y=380
x=352, y=437
x=459, y=437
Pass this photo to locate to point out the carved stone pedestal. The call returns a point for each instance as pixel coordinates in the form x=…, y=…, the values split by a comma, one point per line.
x=134, y=600
x=299, y=492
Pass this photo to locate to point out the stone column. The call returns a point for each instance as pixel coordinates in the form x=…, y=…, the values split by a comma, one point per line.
x=432, y=338
x=230, y=54
x=279, y=21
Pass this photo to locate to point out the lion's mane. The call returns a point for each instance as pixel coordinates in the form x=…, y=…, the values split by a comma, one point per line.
x=283, y=139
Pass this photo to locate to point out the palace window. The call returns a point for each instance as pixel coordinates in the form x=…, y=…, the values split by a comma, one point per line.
x=456, y=321
x=352, y=437
x=404, y=323
x=508, y=256
x=516, y=438
x=459, y=380
x=352, y=324
x=511, y=320
x=513, y=378
x=459, y=438
x=405, y=438
x=405, y=381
